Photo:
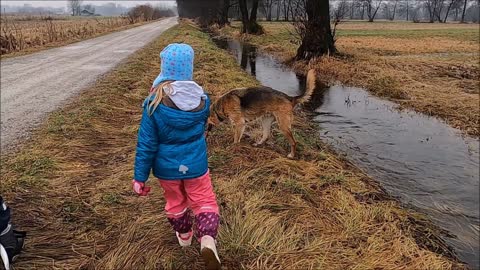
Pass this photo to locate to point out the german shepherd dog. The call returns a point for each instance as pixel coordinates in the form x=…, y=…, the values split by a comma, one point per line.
x=245, y=104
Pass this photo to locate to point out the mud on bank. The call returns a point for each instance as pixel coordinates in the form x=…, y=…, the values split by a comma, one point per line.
x=70, y=188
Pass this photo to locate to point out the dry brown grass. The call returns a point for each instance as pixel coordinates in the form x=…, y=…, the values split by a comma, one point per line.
x=69, y=187
x=431, y=68
x=25, y=34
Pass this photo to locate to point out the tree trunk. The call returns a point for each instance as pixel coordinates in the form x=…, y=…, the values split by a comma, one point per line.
x=363, y=12
x=352, y=10
x=370, y=7
x=224, y=17
x=244, y=13
x=448, y=11
x=318, y=39
x=249, y=24
x=253, y=14
x=269, y=11
x=286, y=9
x=278, y=10
x=394, y=10
x=438, y=12
x=407, y=10
x=463, y=12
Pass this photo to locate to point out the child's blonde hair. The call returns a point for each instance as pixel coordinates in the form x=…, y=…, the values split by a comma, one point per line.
x=157, y=93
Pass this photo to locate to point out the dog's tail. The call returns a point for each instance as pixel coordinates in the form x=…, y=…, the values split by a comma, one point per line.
x=310, y=86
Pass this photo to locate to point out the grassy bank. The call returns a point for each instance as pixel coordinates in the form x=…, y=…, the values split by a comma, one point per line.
x=70, y=188
x=431, y=68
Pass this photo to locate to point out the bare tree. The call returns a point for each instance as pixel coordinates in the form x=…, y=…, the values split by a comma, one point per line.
x=227, y=4
x=339, y=12
x=456, y=9
x=415, y=14
x=74, y=6
x=279, y=5
x=431, y=7
x=407, y=9
x=372, y=8
x=449, y=7
x=390, y=9
x=267, y=7
x=463, y=12
x=314, y=29
x=402, y=10
x=435, y=9
x=249, y=22
x=287, y=4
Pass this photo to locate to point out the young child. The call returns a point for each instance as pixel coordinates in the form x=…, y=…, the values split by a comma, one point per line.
x=171, y=141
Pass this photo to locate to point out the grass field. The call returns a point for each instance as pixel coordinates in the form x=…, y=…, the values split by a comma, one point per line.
x=432, y=68
x=25, y=34
x=70, y=188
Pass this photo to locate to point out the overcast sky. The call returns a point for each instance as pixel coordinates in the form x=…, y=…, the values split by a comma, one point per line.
x=63, y=3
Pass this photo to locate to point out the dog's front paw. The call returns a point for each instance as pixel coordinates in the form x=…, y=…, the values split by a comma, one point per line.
x=257, y=144
x=291, y=156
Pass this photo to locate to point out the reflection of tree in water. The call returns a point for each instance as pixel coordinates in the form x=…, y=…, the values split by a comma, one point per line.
x=249, y=56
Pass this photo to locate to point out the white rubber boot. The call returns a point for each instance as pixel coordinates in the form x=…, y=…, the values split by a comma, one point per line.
x=209, y=253
x=4, y=257
x=184, y=239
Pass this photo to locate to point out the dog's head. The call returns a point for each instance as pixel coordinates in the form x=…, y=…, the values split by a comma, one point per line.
x=215, y=117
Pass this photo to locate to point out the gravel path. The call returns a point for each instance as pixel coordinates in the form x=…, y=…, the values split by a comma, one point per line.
x=36, y=84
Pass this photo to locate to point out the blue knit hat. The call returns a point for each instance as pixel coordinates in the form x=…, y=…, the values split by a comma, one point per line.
x=176, y=63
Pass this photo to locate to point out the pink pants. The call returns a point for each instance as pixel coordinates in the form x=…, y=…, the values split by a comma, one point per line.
x=195, y=195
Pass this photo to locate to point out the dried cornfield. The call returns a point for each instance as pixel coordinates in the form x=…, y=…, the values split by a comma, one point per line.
x=21, y=33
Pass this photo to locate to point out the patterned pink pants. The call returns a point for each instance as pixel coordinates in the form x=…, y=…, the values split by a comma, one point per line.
x=192, y=195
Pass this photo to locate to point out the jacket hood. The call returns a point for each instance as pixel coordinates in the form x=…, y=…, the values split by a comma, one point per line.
x=183, y=119
x=187, y=95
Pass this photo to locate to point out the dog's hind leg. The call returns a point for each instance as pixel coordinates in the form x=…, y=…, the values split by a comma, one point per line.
x=267, y=122
x=285, y=125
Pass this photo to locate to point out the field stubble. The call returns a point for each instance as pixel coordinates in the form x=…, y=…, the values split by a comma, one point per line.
x=25, y=34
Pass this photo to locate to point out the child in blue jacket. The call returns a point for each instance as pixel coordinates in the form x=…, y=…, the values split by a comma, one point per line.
x=171, y=142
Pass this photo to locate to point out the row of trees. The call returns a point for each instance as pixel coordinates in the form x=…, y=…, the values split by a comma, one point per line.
x=135, y=14
x=148, y=13
x=75, y=6
x=410, y=10
x=315, y=20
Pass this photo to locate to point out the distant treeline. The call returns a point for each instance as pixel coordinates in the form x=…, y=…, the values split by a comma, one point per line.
x=411, y=10
x=108, y=9
x=148, y=13
x=288, y=10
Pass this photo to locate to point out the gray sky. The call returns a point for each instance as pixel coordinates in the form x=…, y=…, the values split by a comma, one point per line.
x=63, y=3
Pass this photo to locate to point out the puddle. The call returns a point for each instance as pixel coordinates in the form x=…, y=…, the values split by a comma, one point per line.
x=421, y=160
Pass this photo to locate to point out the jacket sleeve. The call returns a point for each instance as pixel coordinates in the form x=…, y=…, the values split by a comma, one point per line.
x=147, y=146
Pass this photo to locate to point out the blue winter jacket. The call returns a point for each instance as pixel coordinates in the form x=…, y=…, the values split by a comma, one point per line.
x=172, y=143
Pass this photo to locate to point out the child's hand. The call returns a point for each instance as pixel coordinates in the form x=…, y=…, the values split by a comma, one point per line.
x=140, y=188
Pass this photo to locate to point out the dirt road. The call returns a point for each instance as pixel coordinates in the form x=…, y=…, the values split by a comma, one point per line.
x=36, y=84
